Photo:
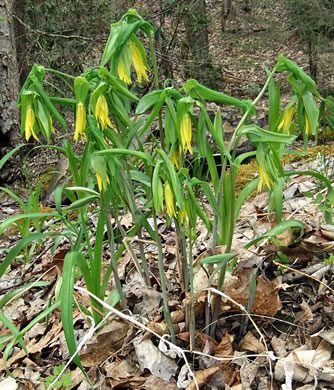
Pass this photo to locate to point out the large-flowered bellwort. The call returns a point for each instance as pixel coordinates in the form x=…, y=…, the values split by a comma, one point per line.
x=29, y=124
x=102, y=112
x=80, y=121
x=81, y=85
x=186, y=133
x=169, y=199
x=133, y=53
x=286, y=120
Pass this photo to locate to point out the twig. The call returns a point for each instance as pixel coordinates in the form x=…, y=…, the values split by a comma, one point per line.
x=128, y=318
x=39, y=32
x=215, y=291
x=304, y=274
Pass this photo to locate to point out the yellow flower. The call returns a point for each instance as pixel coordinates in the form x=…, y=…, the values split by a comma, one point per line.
x=174, y=158
x=264, y=178
x=307, y=125
x=287, y=118
x=53, y=131
x=80, y=122
x=138, y=62
x=123, y=73
x=169, y=198
x=100, y=168
x=186, y=133
x=102, y=183
x=29, y=124
x=102, y=112
x=183, y=214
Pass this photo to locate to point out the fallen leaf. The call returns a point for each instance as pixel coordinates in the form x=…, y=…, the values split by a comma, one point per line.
x=305, y=314
x=150, y=357
x=202, y=377
x=8, y=384
x=251, y=343
x=154, y=383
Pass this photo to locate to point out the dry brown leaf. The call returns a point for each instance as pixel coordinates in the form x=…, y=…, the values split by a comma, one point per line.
x=110, y=340
x=225, y=349
x=206, y=341
x=225, y=346
x=161, y=328
x=120, y=370
x=305, y=314
x=34, y=346
x=266, y=300
x=286, y=238
x=177, y=316
x=250, y=343
x=113, y=334
x=202, y=377
x=151, y=358
x=327, y=231
x=154, y=383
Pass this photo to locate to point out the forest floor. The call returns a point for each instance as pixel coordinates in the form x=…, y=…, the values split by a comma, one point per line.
x=287, y=342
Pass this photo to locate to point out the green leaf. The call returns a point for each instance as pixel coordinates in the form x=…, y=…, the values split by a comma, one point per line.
x=126, y=152
x=81, y=202
x=218, y=259
x=9, y=221
x=9, y=155
x=147, y=101
x=279, y=229
x=312, y=110
x=66, y=302
x=174, y=181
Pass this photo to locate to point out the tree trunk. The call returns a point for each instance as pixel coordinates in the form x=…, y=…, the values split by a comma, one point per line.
x=313, y=58
x=225, y=13
x=196, y=25
x=9, y=75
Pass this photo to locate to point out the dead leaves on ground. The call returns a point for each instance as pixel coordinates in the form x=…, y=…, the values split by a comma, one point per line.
x=120, y=356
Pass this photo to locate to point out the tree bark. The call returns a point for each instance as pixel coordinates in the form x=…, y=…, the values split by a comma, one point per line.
x=196, y=25
x=9, y=75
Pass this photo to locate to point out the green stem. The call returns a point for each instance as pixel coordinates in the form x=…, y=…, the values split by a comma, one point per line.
x=157, y=86
x=113, y=254
x=163, y=281
x=58, y=73
x=192, y=293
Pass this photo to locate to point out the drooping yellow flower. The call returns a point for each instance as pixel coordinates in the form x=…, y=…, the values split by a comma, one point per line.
x=265, y=180
x=101, y=172
x=80, y=122
x=307, y=125
x=123, y=73
x=186, y=133
x=183, y=214
x=169, y=199
x=53, y=131
x=102, y=182
x=102, y=112
x=174, y=158
x=29, y=124
x=138, y=62
x=287, y=118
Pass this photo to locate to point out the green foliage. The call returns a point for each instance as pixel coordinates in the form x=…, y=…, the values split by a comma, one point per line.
x=329, y=260
x=63, y=381
x=76, y=19
x=313, y=18
x=116, y=172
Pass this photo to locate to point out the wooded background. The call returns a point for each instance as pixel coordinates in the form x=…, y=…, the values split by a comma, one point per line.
x=223, y=44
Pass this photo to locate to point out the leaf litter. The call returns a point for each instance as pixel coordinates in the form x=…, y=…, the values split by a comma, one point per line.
x=292, y=309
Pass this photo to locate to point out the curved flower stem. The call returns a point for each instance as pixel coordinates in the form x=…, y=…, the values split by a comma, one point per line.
x=57, y=72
